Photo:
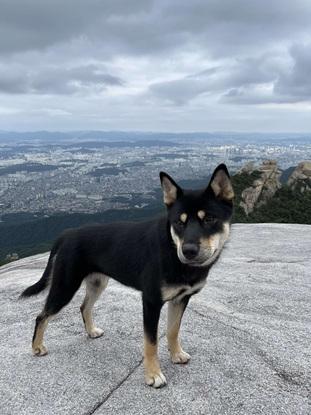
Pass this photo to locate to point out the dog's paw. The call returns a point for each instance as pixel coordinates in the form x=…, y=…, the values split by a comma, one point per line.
x=95, y=332
x=180, y=357
x=40, y=350
x=155, y=379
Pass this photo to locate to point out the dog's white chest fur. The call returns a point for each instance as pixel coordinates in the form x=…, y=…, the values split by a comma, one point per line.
x=178, y=292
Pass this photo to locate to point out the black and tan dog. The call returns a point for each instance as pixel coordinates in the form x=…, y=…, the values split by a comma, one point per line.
x=167, y=259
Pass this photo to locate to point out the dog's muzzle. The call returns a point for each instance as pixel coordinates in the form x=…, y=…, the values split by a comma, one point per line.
x=193, y=254
x=190, y=250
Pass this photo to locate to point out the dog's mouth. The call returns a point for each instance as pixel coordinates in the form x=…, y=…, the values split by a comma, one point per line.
x=200, y=260
x=192, y=263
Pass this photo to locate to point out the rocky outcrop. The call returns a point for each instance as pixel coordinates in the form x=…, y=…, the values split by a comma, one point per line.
x=262, y=188
x=248, y=168
x=301, y=177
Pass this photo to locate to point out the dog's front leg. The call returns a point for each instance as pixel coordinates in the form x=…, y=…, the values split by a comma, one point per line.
x=174, y=316
x=153, y=374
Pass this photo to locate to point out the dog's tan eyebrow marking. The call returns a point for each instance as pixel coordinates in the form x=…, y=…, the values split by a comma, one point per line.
x=183, y=217
x=201, y=214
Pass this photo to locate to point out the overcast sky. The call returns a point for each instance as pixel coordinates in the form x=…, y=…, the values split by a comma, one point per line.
x=183, y=65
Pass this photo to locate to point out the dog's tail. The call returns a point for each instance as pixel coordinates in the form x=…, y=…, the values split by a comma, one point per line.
x=44, y=280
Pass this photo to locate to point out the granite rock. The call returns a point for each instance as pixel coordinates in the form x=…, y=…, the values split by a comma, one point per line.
x=248, y=332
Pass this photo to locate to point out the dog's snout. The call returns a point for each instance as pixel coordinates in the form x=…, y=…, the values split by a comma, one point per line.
x=190, y=250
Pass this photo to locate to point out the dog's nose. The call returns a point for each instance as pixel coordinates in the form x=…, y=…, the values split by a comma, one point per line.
x=190, y=251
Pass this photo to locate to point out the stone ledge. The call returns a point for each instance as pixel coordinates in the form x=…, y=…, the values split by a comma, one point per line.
x=248, y=333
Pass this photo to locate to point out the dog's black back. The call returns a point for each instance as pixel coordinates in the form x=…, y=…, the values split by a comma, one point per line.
x=134, y=254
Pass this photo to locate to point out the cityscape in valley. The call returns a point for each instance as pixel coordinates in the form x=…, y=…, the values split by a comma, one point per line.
x=48, y=173
x=50, y=182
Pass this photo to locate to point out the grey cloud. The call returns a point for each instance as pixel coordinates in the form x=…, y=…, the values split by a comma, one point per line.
x=249, y=95
x=151, y=55
x=296, y=83
x=148, y=27
x=263, y=80
x=56, y=80
x=11, y=83
x=225, y=28
x=36, y=24
x=179, y=91
x=290, y=83
x=223, y=79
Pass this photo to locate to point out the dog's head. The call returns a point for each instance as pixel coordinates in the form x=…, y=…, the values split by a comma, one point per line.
x=199, y=220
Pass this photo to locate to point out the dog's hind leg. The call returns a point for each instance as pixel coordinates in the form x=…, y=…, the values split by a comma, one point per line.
x=95, y=285
x=63, y=288
x=37, y=340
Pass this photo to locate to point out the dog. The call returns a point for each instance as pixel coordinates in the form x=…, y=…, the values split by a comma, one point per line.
x=167, y=259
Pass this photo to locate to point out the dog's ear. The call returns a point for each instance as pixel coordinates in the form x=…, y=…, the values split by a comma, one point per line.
x=220, y=184
x=171, y=190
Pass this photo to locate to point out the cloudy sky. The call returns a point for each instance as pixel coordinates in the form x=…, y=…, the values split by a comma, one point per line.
x=163, y=65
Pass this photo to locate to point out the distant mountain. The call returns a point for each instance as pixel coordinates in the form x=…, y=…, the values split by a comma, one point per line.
x=212, y=137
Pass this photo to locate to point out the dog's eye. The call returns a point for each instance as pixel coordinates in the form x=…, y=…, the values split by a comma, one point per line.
x=179, y=223
x=209, y=220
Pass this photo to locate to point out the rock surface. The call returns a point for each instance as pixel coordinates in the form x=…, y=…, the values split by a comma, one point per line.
x=248, y=332
x=263, y=188
x=301, y=177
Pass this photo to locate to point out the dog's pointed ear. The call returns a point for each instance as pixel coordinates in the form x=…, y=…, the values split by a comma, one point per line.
x=171, y=190
x=220, y=184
